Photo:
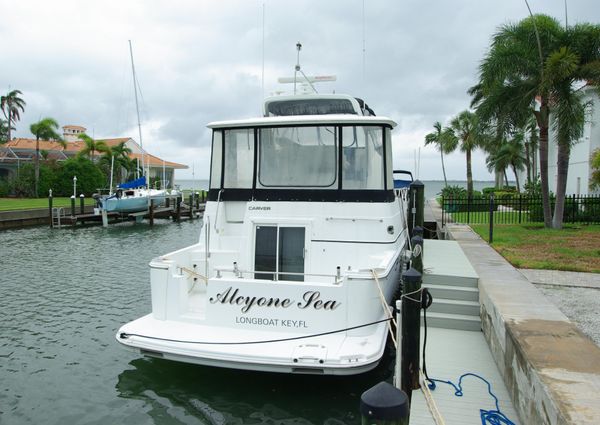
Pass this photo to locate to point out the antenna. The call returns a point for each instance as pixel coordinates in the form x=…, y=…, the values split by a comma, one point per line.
x=263, y=55
x=363, y=42
x=297, y=67
x=566, y=16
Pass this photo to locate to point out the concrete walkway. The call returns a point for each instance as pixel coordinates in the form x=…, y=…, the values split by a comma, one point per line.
x=550, y=367
x=576, y=294
x=562, y=278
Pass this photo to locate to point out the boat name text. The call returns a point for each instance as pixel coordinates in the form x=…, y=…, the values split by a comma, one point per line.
x=282, y=323
x=251, y=208
x=310, y=299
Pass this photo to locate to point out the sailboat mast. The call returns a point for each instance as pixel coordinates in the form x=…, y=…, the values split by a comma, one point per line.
x=137, y=109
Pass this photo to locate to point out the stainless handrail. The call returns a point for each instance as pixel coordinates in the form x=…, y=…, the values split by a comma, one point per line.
x=217, y=212
x=241, y=272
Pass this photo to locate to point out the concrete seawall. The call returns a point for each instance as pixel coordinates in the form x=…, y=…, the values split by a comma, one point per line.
x=34, y=217
x=550, y=368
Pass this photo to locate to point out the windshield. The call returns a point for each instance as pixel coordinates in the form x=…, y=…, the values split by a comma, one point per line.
x=298, y=157
x=324, y=157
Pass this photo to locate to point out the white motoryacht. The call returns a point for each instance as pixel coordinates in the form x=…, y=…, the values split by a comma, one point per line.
x=300, y=250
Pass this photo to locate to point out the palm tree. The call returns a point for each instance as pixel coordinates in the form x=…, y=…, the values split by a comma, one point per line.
x=535, y=62
x=443, y=141
x=469, y=134
x=3, y=131
x=91, y=146
x=531, y=143
x=564, y=70
x=10, y=105
x=511, y=81
x=45, y=129
x=496, y=162
x=120, y=153
x=511, y=153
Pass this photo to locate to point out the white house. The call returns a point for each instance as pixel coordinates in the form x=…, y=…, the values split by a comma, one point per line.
x=580, y=171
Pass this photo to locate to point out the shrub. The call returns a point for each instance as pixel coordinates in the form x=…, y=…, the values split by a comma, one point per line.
x=453, y=192
x=89, y=177
x=24, y=184
x=533, y=189
x=4, y=188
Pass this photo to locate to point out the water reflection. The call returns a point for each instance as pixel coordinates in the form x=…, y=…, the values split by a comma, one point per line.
x=225, y=396
x=64, y=295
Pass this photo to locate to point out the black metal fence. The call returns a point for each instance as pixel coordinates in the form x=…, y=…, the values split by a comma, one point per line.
x=515, y=209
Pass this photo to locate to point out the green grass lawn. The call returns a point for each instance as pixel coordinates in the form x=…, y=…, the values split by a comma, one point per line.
x=11, y=204
x=573, y=248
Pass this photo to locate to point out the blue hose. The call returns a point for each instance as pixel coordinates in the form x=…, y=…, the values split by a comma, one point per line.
x=489, y=417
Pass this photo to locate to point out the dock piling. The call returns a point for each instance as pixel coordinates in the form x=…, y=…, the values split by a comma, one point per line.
x=191, y=204
x=178, y=211
x=104, y=218
x=411, y=328
x=82, y=204
x=384, y=404
x=151, y=215
x=72, y=205
x=50, y=208
x=416, y=242
x=416, y=205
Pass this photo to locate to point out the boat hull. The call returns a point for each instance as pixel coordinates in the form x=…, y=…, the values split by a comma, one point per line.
x=135, y=203
x=231, y=324
x=355, y=355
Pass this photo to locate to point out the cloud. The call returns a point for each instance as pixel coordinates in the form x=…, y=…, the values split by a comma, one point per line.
x=202, y=61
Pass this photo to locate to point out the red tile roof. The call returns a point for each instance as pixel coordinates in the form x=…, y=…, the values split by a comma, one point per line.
x=76, y=146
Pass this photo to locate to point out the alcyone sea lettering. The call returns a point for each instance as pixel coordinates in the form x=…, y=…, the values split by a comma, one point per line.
x=310, y=299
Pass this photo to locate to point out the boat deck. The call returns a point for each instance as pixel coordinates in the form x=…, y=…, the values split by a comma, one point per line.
x=451, y=353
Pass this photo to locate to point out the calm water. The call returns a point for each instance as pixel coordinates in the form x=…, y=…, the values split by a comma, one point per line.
x=64, y=295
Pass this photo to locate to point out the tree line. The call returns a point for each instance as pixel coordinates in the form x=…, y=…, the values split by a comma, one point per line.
x=92, y=164
x=531, y=80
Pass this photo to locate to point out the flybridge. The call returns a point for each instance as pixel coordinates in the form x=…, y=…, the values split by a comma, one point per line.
x=315, y=104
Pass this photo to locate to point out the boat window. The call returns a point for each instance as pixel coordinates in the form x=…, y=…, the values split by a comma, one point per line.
x=298, y=157
x=310, y=107
x=239, y=158
x=291, y=252
x=217, y=151
x=265, y=252
x=362, y=158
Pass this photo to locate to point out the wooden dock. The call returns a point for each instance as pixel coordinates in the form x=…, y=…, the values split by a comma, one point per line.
x=176, y=212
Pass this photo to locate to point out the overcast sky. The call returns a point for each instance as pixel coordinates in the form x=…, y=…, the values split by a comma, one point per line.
x=202, y=61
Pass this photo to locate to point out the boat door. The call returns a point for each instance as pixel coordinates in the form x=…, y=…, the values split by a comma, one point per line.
x=279, y=249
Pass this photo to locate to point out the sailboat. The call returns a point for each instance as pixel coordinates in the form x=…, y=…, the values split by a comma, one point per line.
x=135, y=195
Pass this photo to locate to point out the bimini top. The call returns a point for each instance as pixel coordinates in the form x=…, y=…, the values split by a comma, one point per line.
x=295, y=120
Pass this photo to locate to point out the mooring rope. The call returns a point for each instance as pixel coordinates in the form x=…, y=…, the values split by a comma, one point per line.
x=125, y=335
x=386, y=309
x=431, y=404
